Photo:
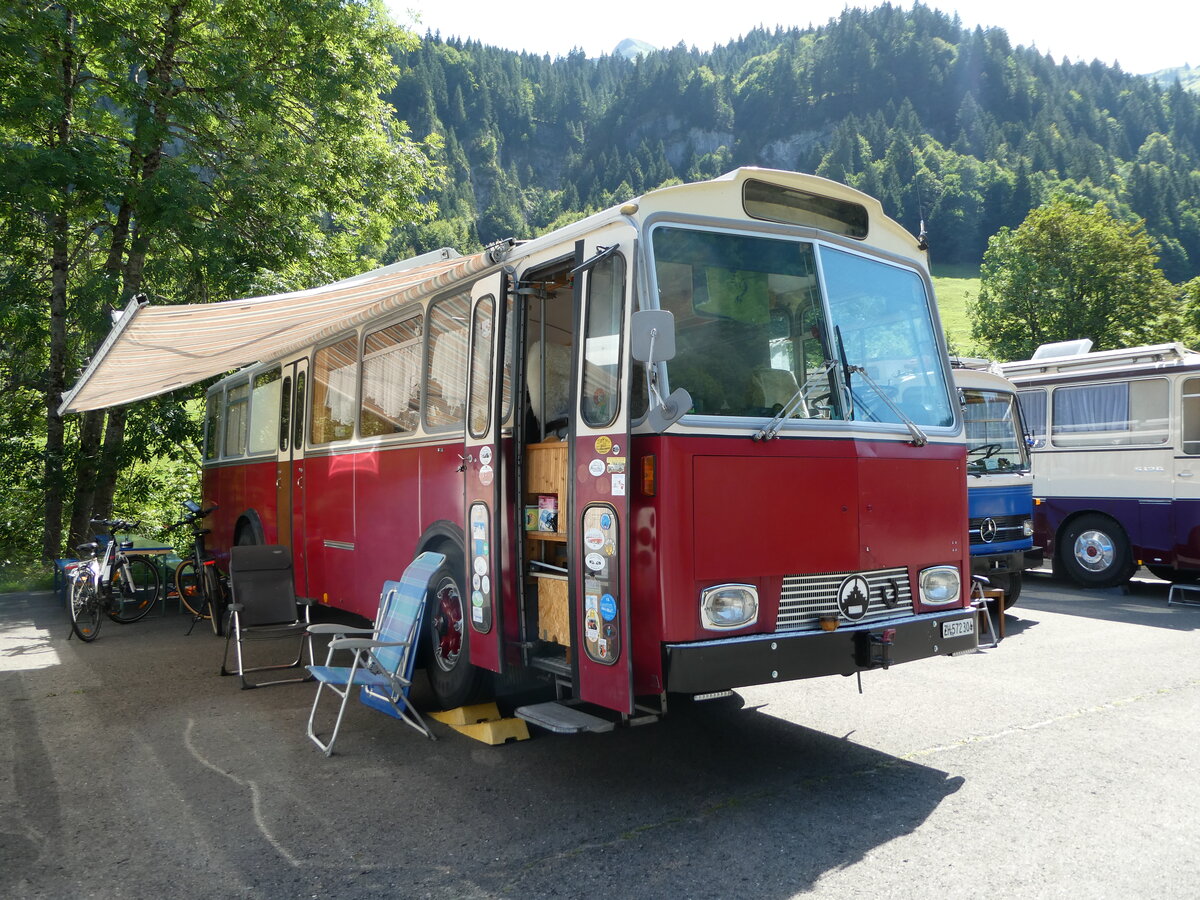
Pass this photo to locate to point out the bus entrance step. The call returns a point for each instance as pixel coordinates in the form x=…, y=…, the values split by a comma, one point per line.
x=562, y=719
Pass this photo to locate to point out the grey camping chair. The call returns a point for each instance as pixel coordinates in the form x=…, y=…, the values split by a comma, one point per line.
x=383, y=655
x=264, y=608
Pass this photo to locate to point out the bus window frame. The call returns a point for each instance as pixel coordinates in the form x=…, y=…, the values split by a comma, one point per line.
x=1111, y=439
x=410, y=311
x=243, y=382
x=309, y=439
x=277, y=369
x=213, y=441
x=463, y=293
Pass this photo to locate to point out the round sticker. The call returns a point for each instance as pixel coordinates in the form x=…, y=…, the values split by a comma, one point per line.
x=603, y=444
x=480, y=565
x=594, y=561
x=485, y=475
x=596, y=467
x=608, y=607
x=485, y=455
x=476, y=598
x=476, y=581
x=593, y=539
x=486, y=585
x=605, y=520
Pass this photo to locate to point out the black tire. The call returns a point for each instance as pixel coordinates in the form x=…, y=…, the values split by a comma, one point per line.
x=132, y=599
x=1094, y=552
x=454, y=680
x=1011, y=585
x=191, y=591
x=85, y=609
x=1177, y=576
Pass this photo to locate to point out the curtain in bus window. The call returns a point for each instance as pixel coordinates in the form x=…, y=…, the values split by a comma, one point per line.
x=391, y=379
x=333, y=383
x=600, y=394
x=264, y=411
x=235, y=420
x=212, y=426
x=1107, y=414
x=1033, y=411
x=1191, y=416
x=446, y=378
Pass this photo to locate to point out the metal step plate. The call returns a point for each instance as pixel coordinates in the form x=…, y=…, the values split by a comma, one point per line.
x=562, y=719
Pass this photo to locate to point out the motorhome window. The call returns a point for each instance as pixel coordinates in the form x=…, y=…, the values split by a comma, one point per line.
x=236, y=403
x=391, y=379
x=600, y=396
x=446, y=375
x=1101, y=415
x=1191, y=416
x=882, y=315
x=994, y=439
x=1033, y=411
x=750, y=326
x=334, y=380
x=212, y=426
x=775, y=203
x=264, y=411
x=478, y=408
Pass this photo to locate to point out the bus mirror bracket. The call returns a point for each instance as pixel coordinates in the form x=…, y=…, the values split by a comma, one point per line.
x=652, y=341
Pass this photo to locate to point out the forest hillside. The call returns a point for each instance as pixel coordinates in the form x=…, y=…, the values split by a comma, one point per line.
x=949, y=126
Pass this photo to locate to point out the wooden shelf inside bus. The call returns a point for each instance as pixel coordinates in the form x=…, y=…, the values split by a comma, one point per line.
x=559, y=536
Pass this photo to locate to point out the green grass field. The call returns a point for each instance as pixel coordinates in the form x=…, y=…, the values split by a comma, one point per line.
x=954, y=286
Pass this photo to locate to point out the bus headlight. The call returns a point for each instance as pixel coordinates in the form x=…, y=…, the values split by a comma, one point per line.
x=1027, y=528
x=939, y=585
x=729, y=606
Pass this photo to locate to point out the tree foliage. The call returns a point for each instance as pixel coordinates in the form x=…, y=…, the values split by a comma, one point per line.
x=189, y=151
x=1071, y=270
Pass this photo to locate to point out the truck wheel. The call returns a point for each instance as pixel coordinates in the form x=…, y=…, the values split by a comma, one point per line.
x=1178, y=576
x=454, y=680
x=1011, y=585
x=1095, y=553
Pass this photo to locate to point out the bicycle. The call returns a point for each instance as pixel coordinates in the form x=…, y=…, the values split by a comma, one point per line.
x=124, y=586
x=202, y=587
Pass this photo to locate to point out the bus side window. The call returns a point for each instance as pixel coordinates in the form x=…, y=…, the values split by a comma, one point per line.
x=391, y=379
x=333, y=388
x=212, y=426
x=264, y=411
x=1191, y=416
x=446, y=375
x=600, y=395
x=237, y=402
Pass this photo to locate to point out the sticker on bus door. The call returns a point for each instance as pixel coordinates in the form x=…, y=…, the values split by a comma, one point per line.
x=602, y=619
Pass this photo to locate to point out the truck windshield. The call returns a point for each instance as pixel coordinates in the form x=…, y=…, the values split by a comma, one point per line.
x=762, y=321
x=994, y=439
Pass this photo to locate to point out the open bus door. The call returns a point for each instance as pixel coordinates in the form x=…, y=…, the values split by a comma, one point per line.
x=289, y=467
x=598, y=533
x=483, y=472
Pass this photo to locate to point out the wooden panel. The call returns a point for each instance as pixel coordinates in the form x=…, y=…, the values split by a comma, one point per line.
x=547, y=468
x=554, y=620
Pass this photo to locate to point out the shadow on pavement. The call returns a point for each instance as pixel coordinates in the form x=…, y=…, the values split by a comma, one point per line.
x=133, y=769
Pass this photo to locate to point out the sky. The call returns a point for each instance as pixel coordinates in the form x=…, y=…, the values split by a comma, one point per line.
x=1142, y=37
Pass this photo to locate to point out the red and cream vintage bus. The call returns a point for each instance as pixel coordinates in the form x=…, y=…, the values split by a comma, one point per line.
x=702, y=440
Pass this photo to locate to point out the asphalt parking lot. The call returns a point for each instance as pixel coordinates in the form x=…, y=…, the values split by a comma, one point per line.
x=1061, y=763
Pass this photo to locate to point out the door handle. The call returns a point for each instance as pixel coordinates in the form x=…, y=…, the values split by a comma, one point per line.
x=1185, y=474
x=466, y=461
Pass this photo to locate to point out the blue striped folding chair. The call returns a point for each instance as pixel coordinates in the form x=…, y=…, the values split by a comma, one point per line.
x=383, y=656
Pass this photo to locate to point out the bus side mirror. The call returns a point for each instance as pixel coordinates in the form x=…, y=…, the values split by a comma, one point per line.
x=652, y=341
x=652, y=336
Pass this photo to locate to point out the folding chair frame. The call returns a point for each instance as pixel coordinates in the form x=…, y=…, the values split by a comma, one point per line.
x=384, y=686
x=264, y=632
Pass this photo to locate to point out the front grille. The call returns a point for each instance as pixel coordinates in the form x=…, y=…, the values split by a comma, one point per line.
x=806, y=598
x=1008, y=528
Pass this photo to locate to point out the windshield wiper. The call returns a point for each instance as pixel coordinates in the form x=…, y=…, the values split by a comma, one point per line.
x=797, y=401
x=919, y=438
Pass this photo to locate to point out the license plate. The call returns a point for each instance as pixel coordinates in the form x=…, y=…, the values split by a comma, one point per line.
x=958, y=628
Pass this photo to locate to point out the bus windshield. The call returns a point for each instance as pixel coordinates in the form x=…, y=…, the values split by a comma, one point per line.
x=764, y=323
x=995, y=442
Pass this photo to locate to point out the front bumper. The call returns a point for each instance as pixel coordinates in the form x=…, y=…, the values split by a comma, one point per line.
x=706, y=666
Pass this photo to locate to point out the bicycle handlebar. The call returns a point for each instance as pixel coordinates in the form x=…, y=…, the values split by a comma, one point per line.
x=116, y=525
x=192, y=517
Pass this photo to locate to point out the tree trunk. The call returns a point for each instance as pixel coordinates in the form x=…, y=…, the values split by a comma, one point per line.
x=87, y=467
x=53, y=472
x=112, y=461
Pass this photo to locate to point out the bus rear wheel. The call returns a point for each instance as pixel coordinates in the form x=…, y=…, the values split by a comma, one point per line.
x=1095, y=552
x=454, y=680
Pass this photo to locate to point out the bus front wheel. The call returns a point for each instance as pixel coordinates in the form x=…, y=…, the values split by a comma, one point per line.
x=454, y=680
x=1011, y=585
x=1095, y=552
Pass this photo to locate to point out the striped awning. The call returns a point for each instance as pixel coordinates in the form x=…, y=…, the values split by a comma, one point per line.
x=155, y=349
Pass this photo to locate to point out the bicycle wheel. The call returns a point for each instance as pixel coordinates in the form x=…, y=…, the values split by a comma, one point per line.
x=136, y=586
x=191, y=591
x=85, y=609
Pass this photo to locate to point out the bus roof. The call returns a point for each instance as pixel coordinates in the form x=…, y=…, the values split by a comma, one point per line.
x=1102, y=363
x=155, y=349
